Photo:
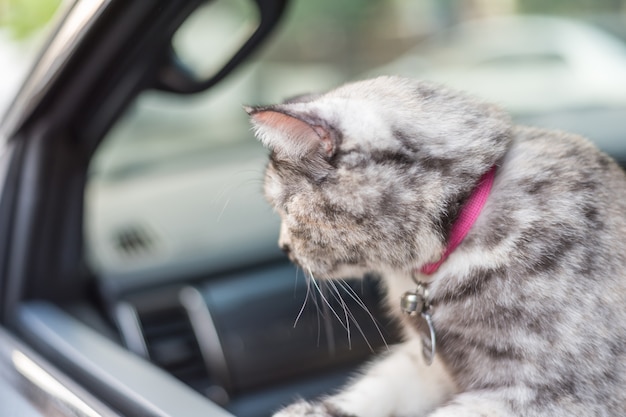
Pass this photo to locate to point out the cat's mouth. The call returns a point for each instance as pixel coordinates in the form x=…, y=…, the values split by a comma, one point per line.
x=294, y=260
x=322, y=264
x=312, y=269
x=328, y=270
x=286, y=248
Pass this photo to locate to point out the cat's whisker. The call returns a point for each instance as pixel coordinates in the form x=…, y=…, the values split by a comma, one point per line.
x=350, y=291
x=362, y=305
x=219, y=216
x=326, y=302
x=354, y=320
x=318, y=310
x=330, y=336
x=295, y=284
x=328, y=325
x=348, y=314
x=231, y=186
x=306, y=298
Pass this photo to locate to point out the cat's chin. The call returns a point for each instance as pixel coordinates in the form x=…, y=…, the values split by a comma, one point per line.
x=338, y=272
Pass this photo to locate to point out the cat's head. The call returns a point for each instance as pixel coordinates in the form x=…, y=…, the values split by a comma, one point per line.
x=368, y=177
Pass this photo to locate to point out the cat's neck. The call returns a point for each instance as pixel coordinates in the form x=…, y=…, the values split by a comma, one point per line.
x=465, y=220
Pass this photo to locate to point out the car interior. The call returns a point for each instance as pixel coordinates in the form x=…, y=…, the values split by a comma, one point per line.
x=140, y=256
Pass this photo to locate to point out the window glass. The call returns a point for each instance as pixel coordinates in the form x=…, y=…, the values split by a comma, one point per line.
x=220, y=39
x=176, y=187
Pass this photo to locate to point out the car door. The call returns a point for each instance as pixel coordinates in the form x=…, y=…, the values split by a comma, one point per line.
x=101, y=54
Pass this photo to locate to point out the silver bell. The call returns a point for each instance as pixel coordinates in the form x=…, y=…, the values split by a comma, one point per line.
x=412, y=303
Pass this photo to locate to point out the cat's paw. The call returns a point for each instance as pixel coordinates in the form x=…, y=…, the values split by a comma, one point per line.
x=307, y=409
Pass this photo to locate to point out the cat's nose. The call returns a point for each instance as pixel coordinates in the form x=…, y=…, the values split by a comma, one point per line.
x=285, y=248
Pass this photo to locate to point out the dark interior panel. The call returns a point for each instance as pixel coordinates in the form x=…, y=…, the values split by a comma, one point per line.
x=255, y=339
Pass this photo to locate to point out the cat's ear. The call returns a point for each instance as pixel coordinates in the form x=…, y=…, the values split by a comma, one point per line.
x=289, y=134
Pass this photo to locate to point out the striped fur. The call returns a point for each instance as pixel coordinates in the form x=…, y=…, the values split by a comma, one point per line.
x=530, y=310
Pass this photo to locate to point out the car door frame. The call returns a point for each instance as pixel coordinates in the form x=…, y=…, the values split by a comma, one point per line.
x=100, y=57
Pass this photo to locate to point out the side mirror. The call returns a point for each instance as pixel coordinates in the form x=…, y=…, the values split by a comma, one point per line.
x=180, y=75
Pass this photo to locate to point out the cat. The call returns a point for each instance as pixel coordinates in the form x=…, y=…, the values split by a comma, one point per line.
x=527, y=313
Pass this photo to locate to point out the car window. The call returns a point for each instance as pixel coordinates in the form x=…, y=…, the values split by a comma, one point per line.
x=175, y=188
x=24, y=26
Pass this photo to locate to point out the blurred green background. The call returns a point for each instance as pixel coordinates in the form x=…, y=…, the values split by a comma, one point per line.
x=22, y=18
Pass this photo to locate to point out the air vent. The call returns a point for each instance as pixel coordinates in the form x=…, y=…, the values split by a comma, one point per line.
x=167, y=339
x=172, y=345
x=134, y=240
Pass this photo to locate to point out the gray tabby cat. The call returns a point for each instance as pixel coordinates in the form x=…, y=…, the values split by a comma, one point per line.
x=529, y=311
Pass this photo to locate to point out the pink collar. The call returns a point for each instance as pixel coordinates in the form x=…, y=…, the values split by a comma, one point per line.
x=467, y=216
